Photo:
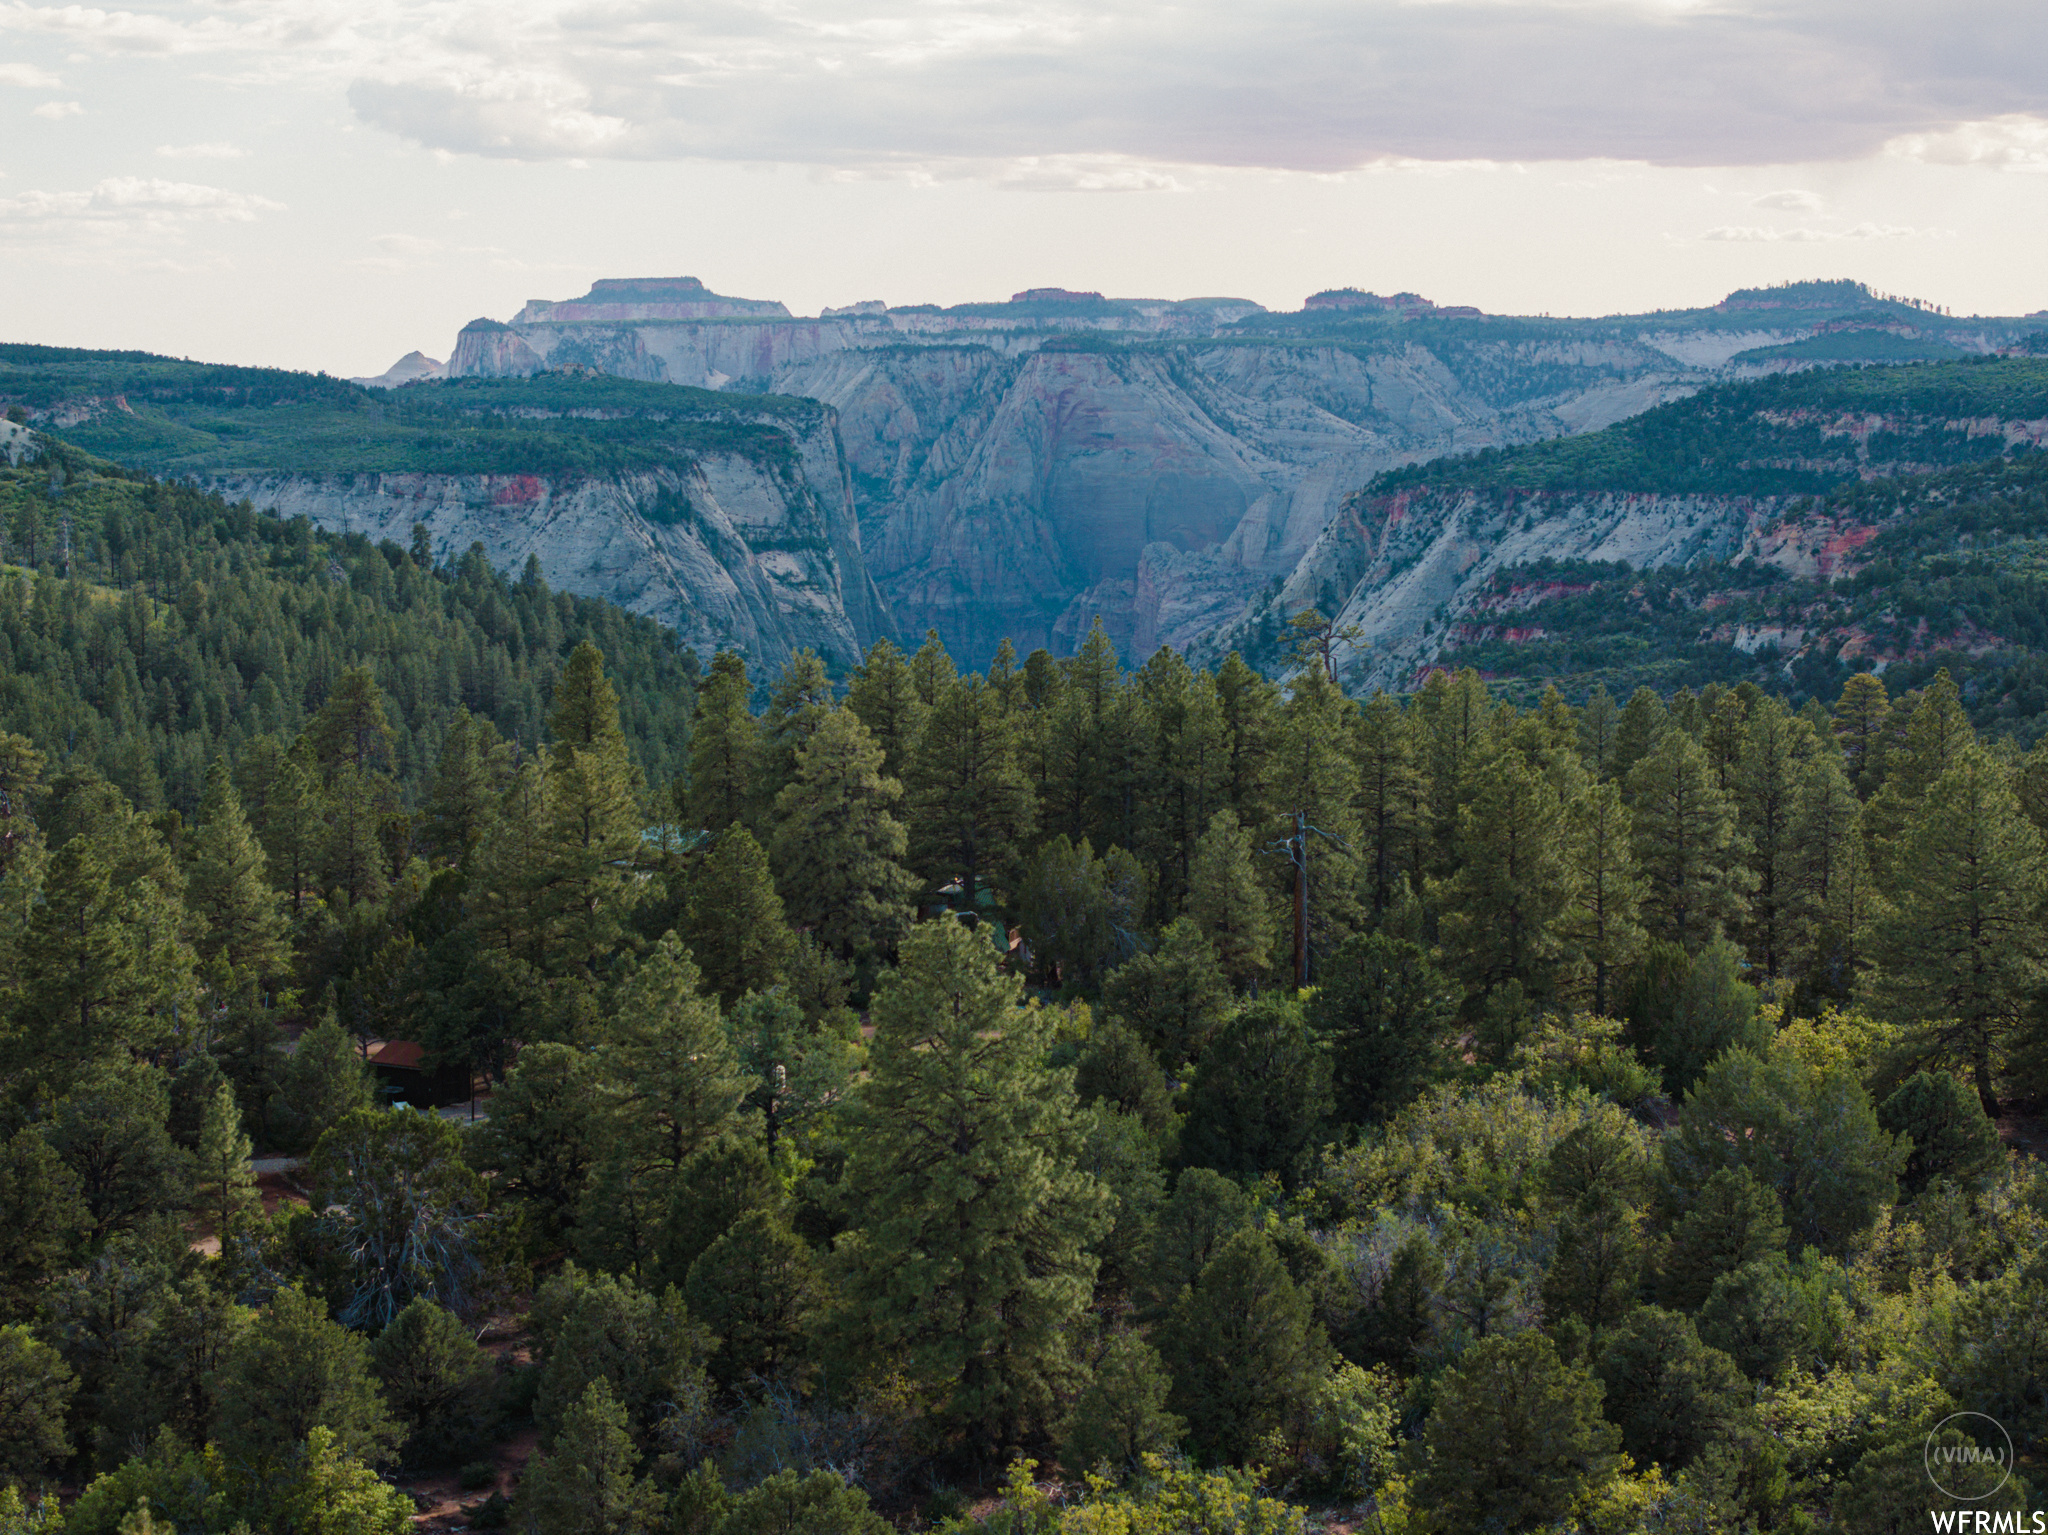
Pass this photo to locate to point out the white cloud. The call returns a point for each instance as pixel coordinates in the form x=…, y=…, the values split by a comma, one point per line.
x=2017, y=142
x=30, y=76
x=59, y=109
x=120, y=199
x=1751, y=233
x=1790, y=202
x=215, y=151
x=1133, y=94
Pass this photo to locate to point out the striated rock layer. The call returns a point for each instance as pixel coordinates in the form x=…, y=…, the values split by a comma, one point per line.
x=1020, y=469
x=730, y=554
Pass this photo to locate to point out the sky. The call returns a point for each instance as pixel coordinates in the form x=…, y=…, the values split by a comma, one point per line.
x=332, y=183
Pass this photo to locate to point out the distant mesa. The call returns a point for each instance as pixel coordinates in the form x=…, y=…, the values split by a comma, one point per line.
x=1404, y=304
x=865, y=306
x=410, y=368
x=1056, y=296
x=649, y=298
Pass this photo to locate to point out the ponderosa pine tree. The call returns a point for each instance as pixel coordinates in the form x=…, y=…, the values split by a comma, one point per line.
x=1603, y=925
x=1313, y=774
x=1245, y=1349
x=1503, y=912
x=223, y=1183
x=931, y=668
x=968, y=1263
x=105, y=962
x=1764, y=778
x=586, y=1484
x=725, y=748
x=1598, y=722
x=593, y=817
x=1175, y=997
x=1251, y=721
x=667, y=1066
x=1227, y=900
x=1097, y=747
x=967, y=803
x=241, y=935
x=1936, y=736
x=838, y=846
x=1184, y=778
x=1456, y=716
x=1390, y=800
x=1963, y=953
x=1387, y=1016
x=281, y=784
x=1834, y=898
x=884, y=694
x=21, y=778
x=1642, y=721
x=801, y=697
x=1515, y=1441
x=1861, y=724
x=756, y=1287
x=470, y=778
x=1685, y=844
x=734, y=921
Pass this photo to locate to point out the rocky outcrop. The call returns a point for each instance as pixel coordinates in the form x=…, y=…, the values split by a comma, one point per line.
x=727, y=551
x=486, y=349
x=1020, y=468
x=410, y=368
x=1414, y=568
x=615, y=299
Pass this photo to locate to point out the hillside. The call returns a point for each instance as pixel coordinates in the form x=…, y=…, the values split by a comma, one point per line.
x=147, y=627
x=1024, y=467
x=728, y=518
x=1780, y=529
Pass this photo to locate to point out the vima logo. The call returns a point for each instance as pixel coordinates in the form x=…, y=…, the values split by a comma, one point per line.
x=1969, y=1457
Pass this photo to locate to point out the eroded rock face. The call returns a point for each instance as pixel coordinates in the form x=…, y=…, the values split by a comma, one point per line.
x=727, y=552
x=1012, y=478
x=1415, y=567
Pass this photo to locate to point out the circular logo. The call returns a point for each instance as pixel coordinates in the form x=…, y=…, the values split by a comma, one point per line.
x=1962, y=1470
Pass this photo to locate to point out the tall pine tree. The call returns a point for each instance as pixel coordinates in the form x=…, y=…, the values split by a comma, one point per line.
x=968, y=1267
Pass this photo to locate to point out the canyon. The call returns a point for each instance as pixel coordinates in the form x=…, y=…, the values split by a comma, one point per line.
x=1187, y=472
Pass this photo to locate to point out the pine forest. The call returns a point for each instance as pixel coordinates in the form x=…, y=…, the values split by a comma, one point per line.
x=462, y=1052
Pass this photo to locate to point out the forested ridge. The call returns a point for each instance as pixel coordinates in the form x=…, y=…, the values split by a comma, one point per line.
x=1628, y=1164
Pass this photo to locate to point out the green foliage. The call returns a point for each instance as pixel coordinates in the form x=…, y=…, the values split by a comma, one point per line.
x=1951, y=1136
x=402, y=1207
x=586, y=1484
x=1121, y=1417
x=216, y=625
x=969, y=1261
x=735, y=925
x=1386, y=1014
x=43, y=1210
x=1672, y=1397
x=790, y=1504
x=437, y=1381
x=1244, y=1348
x=646, y=1347
x=1176, y=997
x=1260, y=1096
x=1731, y=1220
x=294, y=1371
x=1811, y=1136
x=35, y=1390
x=756, y=1287
x=1516, y=1439
x=838, y=844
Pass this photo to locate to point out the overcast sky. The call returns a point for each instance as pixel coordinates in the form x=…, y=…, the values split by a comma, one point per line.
x=331, y=183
